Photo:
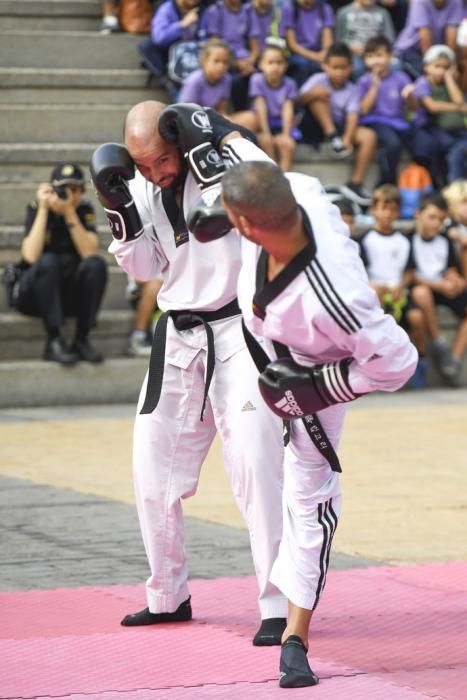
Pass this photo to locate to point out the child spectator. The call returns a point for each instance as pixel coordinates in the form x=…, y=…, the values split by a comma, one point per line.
x=332, y=103
x=441, y=111
x=386, y=254
x=307, y=26
x=347, y=211
x=237, y=25
x=173, y=21
x=438, y=281
x=456, y=197
x=382, y=107
x=265, y=15
x=429, y=22
x=143, y=298
x=211, y=84
x=273, y=96
x=358, y=22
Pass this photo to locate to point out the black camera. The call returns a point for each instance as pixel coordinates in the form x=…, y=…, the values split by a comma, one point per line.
x=61, y=191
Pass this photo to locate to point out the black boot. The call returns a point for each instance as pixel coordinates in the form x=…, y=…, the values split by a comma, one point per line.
x=57, y=351
x=85, y=351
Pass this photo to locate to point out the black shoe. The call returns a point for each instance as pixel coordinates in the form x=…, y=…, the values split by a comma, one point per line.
x=295, y=671
x=145, y=617
x=358, y=193
x=56, y=351
x=86, y=352
x=270, y=632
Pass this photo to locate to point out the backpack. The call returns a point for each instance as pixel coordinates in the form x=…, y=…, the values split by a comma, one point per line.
x=183, y=60
x=414, y=180
x=10, y=278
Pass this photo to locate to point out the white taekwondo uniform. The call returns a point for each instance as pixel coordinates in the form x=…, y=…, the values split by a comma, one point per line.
x=321, y=307
x=171, y=442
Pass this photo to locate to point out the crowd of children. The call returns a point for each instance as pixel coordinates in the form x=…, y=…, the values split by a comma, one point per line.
x=329, y=73
x=333, y=74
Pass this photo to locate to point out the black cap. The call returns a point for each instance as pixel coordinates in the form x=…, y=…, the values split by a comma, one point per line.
x=67, y=174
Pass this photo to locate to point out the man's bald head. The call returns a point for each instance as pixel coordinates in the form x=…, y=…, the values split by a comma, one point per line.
x=142, y=120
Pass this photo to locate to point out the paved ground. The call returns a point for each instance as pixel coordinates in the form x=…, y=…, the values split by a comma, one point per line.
x=68, y=517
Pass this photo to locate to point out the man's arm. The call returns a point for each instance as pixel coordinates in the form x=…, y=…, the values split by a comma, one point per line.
x=33, y=243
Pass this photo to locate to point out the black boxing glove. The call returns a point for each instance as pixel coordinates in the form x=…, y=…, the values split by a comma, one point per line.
x=187, y=125
x=294, y=391
x=207, y=219
x=111, y=167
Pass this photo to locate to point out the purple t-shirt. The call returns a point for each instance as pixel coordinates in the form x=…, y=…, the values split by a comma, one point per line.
x=343, y=100
x=423, y=13
x=308, y=24
x=422, y=89
x=264, y=24
x=166, y=29
x=275, y=97
x=234, y=27
x=389, y=106
x=196, y=89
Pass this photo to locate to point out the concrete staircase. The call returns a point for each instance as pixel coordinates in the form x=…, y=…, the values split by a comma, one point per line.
x=65, y=89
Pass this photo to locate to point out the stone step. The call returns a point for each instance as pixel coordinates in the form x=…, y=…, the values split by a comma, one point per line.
x=39, y=78
x=27, y=383
x=50, y=8
x=23, y=337
x=11, y=237
x=108, y=96
x=74, y=123
x=49, y=23
x=114, y=297
x=15, y=196
x=50, y=49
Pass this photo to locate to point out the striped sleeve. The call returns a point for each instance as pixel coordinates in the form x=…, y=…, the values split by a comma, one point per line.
x=240, y=149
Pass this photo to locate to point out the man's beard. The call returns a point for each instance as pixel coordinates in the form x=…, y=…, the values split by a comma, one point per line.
x=179, y=179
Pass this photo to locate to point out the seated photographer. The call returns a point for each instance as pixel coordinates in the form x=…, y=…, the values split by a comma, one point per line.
x=63, y=275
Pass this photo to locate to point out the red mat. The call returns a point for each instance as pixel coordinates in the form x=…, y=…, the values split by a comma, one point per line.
x=382, y=633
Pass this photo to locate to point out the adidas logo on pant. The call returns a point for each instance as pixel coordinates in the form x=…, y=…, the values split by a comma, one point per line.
x=288, y=404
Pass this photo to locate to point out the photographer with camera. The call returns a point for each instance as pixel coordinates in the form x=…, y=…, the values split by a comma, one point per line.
x=63, y=275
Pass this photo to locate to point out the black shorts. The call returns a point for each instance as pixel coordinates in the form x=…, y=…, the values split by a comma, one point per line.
x=458, y=305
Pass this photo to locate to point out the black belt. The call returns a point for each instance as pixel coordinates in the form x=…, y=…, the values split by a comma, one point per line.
x=183, y=321
x=312, y=423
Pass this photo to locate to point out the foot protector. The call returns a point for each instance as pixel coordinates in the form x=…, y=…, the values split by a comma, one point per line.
x=295, y=671
x=144, y=617
x=270, y=632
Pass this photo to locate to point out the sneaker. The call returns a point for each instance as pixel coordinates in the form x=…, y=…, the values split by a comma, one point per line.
x=337, y=148
x=144, y=617
x=441, y=352
x=357, y=193
x=109, y=25
x=451, y=370
x=86, y=351
x=57, y=351
x=418, y=379
x=270, y=632
x=295, y=671
x=139, y=346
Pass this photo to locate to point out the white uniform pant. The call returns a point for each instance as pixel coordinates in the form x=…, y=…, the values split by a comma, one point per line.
x=171, y=443
x=311, y=508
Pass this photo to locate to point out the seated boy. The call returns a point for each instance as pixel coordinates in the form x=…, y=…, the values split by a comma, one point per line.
x=386, y=254
x=441, y=111
x=383, y=106
x=358, y=22
x=429, y=22
x=438, y=281
x=332, y=116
